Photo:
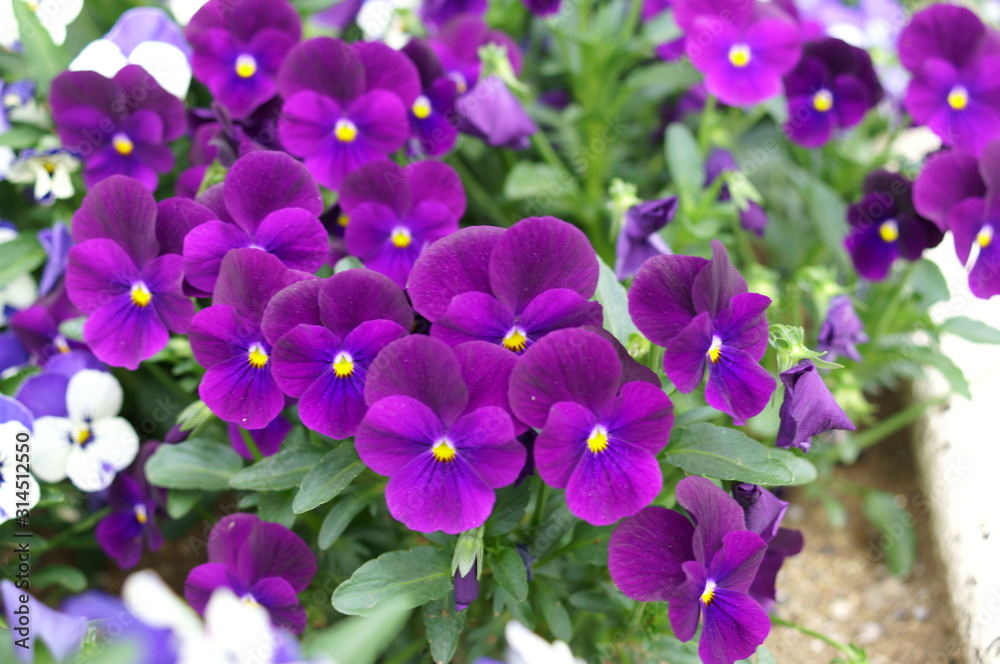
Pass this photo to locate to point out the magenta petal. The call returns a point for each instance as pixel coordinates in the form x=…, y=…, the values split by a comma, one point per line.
x=175, y=217
x=738, y=385
x=473, y=316
x=294, y=304
x=122, y=210
x=559, y=308
x=486, y=370
x=717, y=283
x=272, y=550
x=278, y=597
x=641, y=415
x=218, y=333
x=123, y=334
x=646, y=552
x=428, y=495
x=685, y=603
x=714, y=511
x=263, y=182
x=423, y=368
x=395, y=431
x=562, y=442
x=308, y=67
x=301, y=356
x=350, y=298
x=228, y=536
x=484, y=439
x=437, y=181
x=294, y=235
x=240, y=393
x=204, y=248
x=388, y=69
x=383, y=181
x=248, y=278
x=735, y=624
x=612, y=484
x=202, y=581
x=946, y=179
x=742, y=323
x=98, y=271
x=685, y=357
x=735, y=564
x=660, y=300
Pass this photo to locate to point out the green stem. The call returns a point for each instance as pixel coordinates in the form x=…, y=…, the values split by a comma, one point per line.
x=543, y=499
x=848, y=650
x=895, y=300
x=895, y=422
x=479, y=194
x=82, y=526
x=168, y=381
x=707, y=120
x=251, y=445
x=631, y=20
x=407, y=654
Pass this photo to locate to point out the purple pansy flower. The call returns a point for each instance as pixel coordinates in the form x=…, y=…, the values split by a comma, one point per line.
x=131, y=522
x=457, y=46
x=113, y=622
x=599, y=434
x=507, y=287
x=639, y=238
x=436, y=13
x=542, y=7
x=832, y=88
x=885, y=226
x=742, y=47
x=37, y=327
x=808, y=408
x=392, y=214
x=701, y=313
x=268, y=440
x=436, y=426
x=490, y=111
x=238, y=49
x=353, y=315
x=752, y=218
x=119, y=125
x=227, y=340
x=345, y=105
x=57, y=242
x=261, y=562
x=841, y=330
x=269, y=202
x=117, y=275
x=432, y=114
x=62, y=634
x=466, y=587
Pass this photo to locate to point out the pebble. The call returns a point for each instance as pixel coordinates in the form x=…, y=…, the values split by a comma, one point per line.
x=841, y=609
x=921, y=613
x=869, y=632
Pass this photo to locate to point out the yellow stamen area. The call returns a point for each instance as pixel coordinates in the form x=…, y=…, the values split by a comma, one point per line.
x=823, y=100
x=709, y=593
x=958, y=98
x=598, y=440
x=49, y=167
x=141, y=296
x=250, y=600
x=515, y=340
x=61, y=344
x=443, y=451
x=343, y=365
x=401, y=237
x=123, y=144
x=739, y=55
x=461, y=85
x=257, y=357
x=345, y=130
x=889, y=231
x=343, y=220
x=421, y=107
x=715, y=350
x=84, y=436
x=246, y=66
x=140, y=513
x=985, y=236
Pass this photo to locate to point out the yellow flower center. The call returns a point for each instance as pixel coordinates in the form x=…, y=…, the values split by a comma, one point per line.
x=246, y=66
x=515, y=340
x=345, y=130
x=343, y=220
x=889, y=231
x=140, y=513
x=83, y=436
x=958, y=98
x=61, y=344
x=443, y=451
x=123, y=144
x=343, y=365
x=421, y=107
x=985, y=236
x=461, y=85
x=715, y=350
x=250, y=600
x=709, y=593
x=598, y=440
x=401, y=237
x=257, y=357
x=141, y=295
x=49, y=167
x=739, y=55
x=823, y=100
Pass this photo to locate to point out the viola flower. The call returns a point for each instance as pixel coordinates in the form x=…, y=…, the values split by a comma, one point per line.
x=89, y=118
x=507, y=287
x=227, y=340
x=237, y=54
x=392, y=214
x=543, y=7
x=90, y=444
x=437, y=13
x=808, y=408
x=132, y=295
x=268, y=440
x=262, y=563
x=639, y=238
x=15, y=97
x=742, y=49
x=48, y=171
x=490, y=111
x=54, y=15
x=444, y=440
x=37, y=327
x=599, y=434
x=269, y=202
x=885, y=226
x=62, y=634
x=19, y=491
x=345, y=105
x=752, y=218
x=432, y=115
x=57, y=241
x=701, y=313
x=457, y=46
x=831, y=88
x=324, y=363
x=144, y=36
x=841, y=330
x=131, y=522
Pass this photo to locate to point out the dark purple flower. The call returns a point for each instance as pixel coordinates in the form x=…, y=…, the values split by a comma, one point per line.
x=832, y=88
x=62, y=634
x=808, y=408
x=37, y=327
x=239, y=47
x=345, y=105
x=701, y=313
x=752, y=218
x=466, y=587
x=639, y=238
x=742, y=49
x=267, y=440
x=392, y=214
x=507, y=287
x=271, y=203
x=841, y=330
x=57, y=242
x=885, y=226
x=261, y=562
x=119, y=125
x=436, y=13
x=436, y=426
x=432, y=114
x=117, y=275
x=457, y=46
x=226, y=338
x=323, y=360
x=131, y=522
x=542, y=7
x=599, y=434
x=946, y=179
x=490, y=111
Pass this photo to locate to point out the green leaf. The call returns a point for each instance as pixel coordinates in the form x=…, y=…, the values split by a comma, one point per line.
x=614, y=299
x=70, y=578
x=194, y=464
x=444, y=627
x=180, y=503
x=684, y=160
x=338, y=518
x=12, y=383
x=415, y=577
x=928, y=282
x=72, y=328
x=802, y=469
x=951, y=371
x=726, y=454
x=971, y=329
x=19, y=256
x=764, y=656
x=898, y=541
x=346, y=263
x=533, y=180
x=328, y=478
x=695, y=415
x=509, y=509
x=508, y=569
x=276, y=507
x=358, y=640
x=284, y=470
x=214, y=174
x=21, y=136
x=44, y=57
x=555, y=614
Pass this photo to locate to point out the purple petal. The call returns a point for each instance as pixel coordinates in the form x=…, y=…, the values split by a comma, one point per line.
x=272, y=550
x=486, y=370
x=940, y=31
x=660, y=300
x=735, y=624
x=302, y=355
x=612, y=484
x=738, y=385
x=562, y=442
x=427, y=495
x=120, y=536
x=175, y=217
x=484, y=439
x=248, y=279
x=98, y=271
x=218, y=333
x=202, y=581
x=762, y=509
x=295, y=236
x=388, y=69
x=43, y=395
x=473, y=316
x=559, y=308
x=12, y=410
x=717, y=283
x=742, y=324
x=268, y=440
x=423, y=368
x=294, y=304
x=437, y=181
x=278, y=597
x=308, y=67
x=164, y=276
x=262, y=182
x=685, y=603
x=383, y=182
x=808, y=408
x=228, y=536
x=641, y=415
x=238, y=392
x=122, y=210
x=646, y=552
x=352, y=297
x=785, y=543
x=685, y=357
x=395, y=431
x=205, y=247
x=714, y=511
x=946, y=179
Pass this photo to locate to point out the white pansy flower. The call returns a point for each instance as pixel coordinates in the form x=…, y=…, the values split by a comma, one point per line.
x=18, y=488
x=54, y=15
x=48, y=170
x=92, y=444
x=526, y=647
x=183, y=10
x=385, y=21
